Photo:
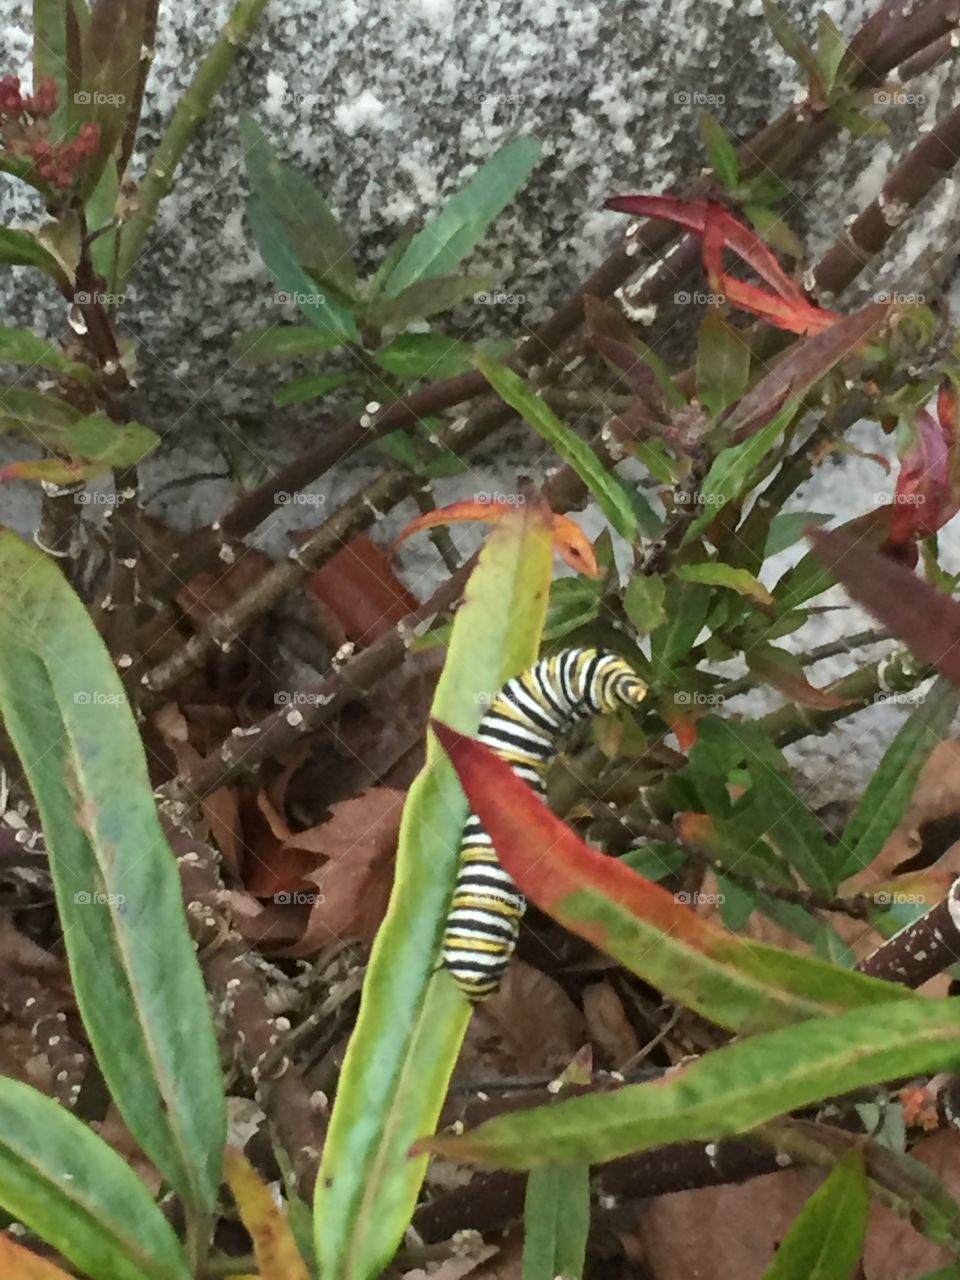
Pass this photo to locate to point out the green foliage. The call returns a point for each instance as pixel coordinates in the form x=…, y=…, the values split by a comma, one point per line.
x=825, y=1239
x=412, y=1020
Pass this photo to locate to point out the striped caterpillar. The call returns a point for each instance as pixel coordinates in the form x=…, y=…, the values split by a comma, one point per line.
x=523, y=726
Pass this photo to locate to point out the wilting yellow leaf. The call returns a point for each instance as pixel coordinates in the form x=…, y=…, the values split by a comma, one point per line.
x=276, y=1250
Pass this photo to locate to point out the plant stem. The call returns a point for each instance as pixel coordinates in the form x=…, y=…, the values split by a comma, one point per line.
x=189, y=113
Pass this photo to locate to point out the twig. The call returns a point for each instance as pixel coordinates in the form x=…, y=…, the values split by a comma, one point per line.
x=189, y=113
x=922, y=949
x=925, y=165
x=244, y=749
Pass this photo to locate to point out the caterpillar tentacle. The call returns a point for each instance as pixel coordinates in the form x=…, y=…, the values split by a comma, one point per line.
x=524, y=725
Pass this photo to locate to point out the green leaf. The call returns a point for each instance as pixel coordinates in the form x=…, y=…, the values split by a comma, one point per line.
x=36, y=416
x=788, y=527
x=831, y=47
x=721, y=152
x=723, y=575
x=132, y=962
x=788, y=38
x=556, y=1220
x=412, y=1018
x=728, y=1091
x=611, y=494
x=739, y=984
x=686, y=605
x=99, y=209
x=76, y=1193
x=23, y=249
x=723, y=363
x=425, y=298
x=460, y=225
x=20, y=346
x=98, y=439
x=644, y=602
x=317, y=238
x=573, y=603
x=825, y=1239
x=890, y=789
x=425, y=355
x=330, y=315
x=280, y=342
x=857, y=122
x=309, y=387
x=730, y=471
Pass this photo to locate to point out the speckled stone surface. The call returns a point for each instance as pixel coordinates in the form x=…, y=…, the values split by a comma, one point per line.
x=389, y=108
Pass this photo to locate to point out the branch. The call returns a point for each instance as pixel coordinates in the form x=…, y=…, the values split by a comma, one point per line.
x=189, y=113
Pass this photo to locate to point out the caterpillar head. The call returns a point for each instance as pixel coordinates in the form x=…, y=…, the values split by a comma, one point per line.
x=618, y=685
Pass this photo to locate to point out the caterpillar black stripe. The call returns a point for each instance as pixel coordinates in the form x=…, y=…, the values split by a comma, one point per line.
x=523, y=726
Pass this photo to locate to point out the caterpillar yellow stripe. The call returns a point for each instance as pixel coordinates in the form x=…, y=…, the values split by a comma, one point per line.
x=524, y=725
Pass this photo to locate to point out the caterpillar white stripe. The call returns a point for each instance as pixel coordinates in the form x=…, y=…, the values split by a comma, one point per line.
x=523, y=726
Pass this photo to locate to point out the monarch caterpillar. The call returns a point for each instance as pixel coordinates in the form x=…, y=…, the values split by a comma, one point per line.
x=523, y=726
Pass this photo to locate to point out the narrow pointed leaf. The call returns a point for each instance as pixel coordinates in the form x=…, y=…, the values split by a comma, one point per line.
x=75, y=1192
x=412, y=1018
x=742, y=985
x=21, y=346
x=612, y=495
x=273, y=1244
x=724, y=575
x=317, y=238
x=784, y=671
x=425, y=298
x=329, y=314
x=825, y=1239
x=460, y=225
x=721, y=152
x=133, y=965
x=280, y=342
x=309, y=387
x=728, y=1091
x=731, y=470
x=803, y=365
x=892, y=785
x=926, y=620
x=22, y=248
x=425, y=355
x=723, y=363
x=556, y=1220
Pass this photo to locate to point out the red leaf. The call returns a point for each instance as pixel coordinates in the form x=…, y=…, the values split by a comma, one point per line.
x=693, y=215
x=926, y=620
x=786, y=307
x=921, y=499
x=569, y=540
x=549, y=861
